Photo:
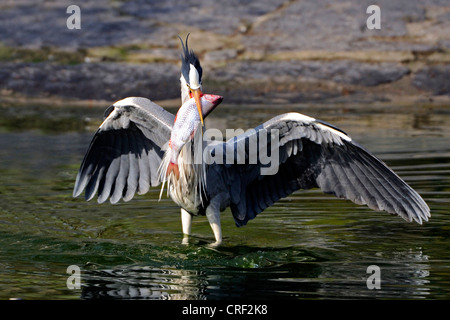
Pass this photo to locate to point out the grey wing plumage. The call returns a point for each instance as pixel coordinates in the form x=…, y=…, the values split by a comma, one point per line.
x=313, y=154
x=125, y=152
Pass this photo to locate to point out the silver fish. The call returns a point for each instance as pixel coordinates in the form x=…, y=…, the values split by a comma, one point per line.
x=187, y=120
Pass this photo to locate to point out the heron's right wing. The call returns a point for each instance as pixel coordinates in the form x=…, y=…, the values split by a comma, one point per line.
x=305, y=153
x=125, y=152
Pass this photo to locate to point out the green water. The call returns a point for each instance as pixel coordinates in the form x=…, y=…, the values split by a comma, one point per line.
x=308, y=245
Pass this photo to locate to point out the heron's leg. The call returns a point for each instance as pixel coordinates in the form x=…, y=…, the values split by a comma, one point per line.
x=213, y=215
x=186, y=222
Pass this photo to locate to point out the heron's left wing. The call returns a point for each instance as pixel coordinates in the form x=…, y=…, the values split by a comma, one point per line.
x=293, y=151
x=125, y=152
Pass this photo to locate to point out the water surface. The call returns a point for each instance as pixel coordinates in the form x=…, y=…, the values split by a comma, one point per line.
x=309, y=245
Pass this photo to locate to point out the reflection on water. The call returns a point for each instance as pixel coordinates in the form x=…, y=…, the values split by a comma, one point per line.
x=404, y=276
x=309, y=245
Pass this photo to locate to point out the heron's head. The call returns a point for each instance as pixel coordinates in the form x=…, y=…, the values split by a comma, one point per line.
x=191, y=77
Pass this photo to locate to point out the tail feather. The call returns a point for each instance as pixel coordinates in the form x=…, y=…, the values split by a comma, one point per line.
x=163, y=170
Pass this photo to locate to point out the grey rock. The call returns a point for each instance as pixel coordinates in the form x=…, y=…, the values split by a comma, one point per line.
x=256, y=29
x=223, y=17
x=434, y=78
x=34, y=24
x=343, y=71
x=339, y=26
x=220, y=55
x=109, y=81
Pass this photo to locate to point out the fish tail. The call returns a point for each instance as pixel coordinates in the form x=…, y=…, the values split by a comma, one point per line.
x=173, y=167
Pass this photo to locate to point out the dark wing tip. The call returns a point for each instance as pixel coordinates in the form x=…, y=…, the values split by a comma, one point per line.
x=362, y=176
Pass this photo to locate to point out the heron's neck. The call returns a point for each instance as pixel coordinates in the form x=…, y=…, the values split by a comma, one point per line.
x=185, y=96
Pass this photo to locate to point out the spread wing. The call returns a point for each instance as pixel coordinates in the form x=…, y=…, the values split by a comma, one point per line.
x=125, y=152
x=311, y=154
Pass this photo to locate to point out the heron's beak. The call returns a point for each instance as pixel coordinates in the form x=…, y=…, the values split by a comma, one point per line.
x=197, y=94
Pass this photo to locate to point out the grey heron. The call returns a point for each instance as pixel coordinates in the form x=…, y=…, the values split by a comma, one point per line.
x=126, y=153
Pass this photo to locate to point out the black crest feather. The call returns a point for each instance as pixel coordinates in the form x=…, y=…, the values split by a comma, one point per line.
x=188, y=57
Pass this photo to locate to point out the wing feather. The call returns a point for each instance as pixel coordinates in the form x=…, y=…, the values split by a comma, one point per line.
x=313, y=153
x=133, y=174
x=125, y=152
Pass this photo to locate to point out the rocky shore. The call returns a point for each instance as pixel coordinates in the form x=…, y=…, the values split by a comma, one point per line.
x=251, y=51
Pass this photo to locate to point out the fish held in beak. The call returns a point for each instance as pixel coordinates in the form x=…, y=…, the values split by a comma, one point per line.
x=186, y=121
